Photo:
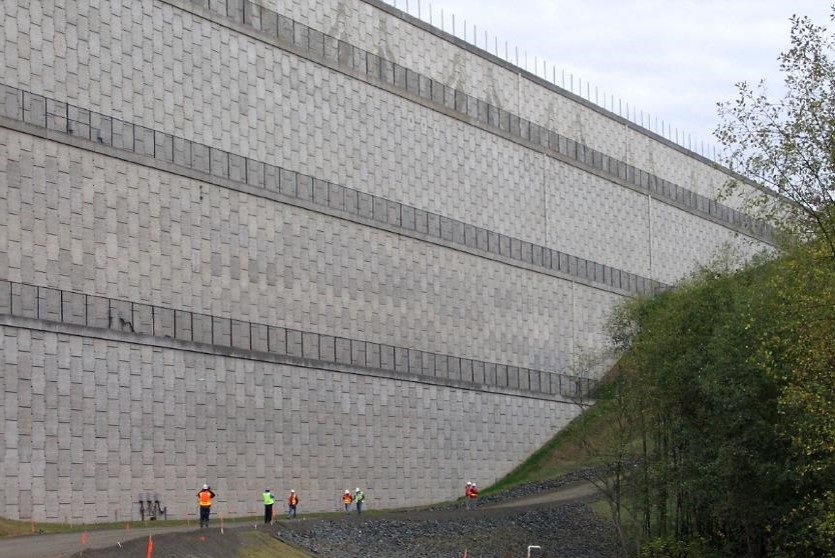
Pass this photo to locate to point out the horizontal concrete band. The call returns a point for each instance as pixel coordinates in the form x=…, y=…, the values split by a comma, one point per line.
x=253, y=339
x=56, y=120
x=245, y=16
x=552, y=86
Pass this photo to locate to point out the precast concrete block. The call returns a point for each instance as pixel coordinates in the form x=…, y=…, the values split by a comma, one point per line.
x=24, y=300
x=260, y=337
x=269, y=22
x=366, y=205
x=393, y=213
x=201, y=159
x=320, y=192
x=252, y=15
x=241, y=335
x=11, y=102
x=294, y=343
x=201, y=328
x=221, y=331
x=101, y=129
x=380, y=209
x=272, y=178
x=433, y=224
x=387, y=71
x=350, y=201
x=360, y=62
x=237, y=168
x=218, y=162
x=373, y=66
x=182, y=152
x=327, y=348
x=143, y=141
x=5, y=297
x=304, y=187
x=310, y=345
x=301, y=35
x=277, y=339
x=164, y=322
x=34, y=109
x=336, y=196
x=143, y=319
x=331, y=49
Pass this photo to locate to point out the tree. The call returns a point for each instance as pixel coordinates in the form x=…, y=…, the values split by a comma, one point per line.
x=788, y=145
x=729, y=382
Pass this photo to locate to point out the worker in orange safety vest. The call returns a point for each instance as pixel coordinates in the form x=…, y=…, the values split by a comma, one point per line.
x=204, y=498
x=292, y=502
x=347, y=499
x=472, y=495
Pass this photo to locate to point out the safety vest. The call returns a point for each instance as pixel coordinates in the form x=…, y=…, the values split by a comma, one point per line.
x=360, y=496
x=293, y=500
x=205, y=497
x=347, y=499
x=269, y=498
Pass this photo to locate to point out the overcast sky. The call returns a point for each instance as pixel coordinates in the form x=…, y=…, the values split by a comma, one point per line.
x=672, y=59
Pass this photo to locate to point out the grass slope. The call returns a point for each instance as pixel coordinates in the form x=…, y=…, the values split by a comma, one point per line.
x=574, y=447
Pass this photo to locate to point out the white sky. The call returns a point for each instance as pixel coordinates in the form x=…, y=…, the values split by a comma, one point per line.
x=673, y=59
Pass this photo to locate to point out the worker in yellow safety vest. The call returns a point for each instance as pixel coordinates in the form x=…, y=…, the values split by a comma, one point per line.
x=269, y=500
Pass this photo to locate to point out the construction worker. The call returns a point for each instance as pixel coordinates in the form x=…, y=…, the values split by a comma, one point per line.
x=467, y=494
x=292, y=502
x=347, y=499
x=359, y=497
x=269, y=500
x=472, y=496
x=204, y=498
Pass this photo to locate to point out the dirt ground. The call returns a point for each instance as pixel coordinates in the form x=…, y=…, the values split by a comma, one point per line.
x=199, y=543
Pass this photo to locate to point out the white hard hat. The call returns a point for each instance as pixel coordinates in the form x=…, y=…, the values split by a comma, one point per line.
x=292, y=491
x=205, y=487
x=469, y=483
x=358, y=489
x=347, y=491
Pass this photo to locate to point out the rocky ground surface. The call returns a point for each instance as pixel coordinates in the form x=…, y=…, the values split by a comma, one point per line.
x=565, y=530
x=553, y=514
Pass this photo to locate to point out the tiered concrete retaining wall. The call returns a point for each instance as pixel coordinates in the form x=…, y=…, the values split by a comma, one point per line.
x=307, y=245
